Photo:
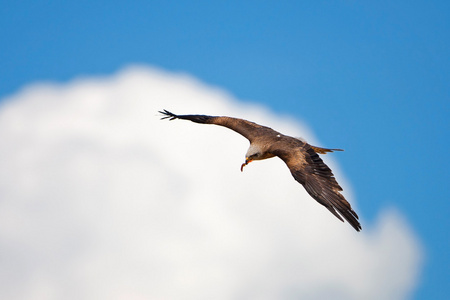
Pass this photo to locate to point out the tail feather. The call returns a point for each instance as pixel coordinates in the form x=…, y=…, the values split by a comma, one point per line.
x=324, y=150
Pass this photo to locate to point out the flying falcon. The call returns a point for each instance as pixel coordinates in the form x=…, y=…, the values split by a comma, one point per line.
x=301, y=158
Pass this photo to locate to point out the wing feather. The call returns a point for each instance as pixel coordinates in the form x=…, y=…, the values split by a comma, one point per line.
x=249, y=130
x=309, y=169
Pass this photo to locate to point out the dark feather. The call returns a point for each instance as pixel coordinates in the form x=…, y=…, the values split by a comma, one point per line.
x=320, y=183
x=202, y=119
x=246, y=128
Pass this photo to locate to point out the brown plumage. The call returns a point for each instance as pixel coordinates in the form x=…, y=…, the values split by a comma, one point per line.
x=301, y=158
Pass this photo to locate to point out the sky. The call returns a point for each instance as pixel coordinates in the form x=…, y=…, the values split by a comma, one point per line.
x=371, y=78
x=103, y=200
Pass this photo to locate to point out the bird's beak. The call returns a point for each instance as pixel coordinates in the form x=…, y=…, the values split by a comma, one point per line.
x=247, y=161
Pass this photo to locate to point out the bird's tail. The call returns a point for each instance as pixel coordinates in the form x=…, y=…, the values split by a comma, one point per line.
x=324, y=150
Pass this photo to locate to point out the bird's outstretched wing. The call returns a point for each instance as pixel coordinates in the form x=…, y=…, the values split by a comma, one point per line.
x=309, y=169
x=246, y=128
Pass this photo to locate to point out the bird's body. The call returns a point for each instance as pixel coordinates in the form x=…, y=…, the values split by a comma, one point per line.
x=301, y=158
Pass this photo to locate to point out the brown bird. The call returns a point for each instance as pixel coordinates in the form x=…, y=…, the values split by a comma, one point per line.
x=301, y=158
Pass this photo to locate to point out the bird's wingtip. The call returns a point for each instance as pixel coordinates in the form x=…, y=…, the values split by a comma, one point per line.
x=167, y=115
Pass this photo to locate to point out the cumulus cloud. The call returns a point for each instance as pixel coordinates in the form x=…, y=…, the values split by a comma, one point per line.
x=99, y=199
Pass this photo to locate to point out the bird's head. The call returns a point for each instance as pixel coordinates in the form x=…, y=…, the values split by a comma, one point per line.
x=253, y=153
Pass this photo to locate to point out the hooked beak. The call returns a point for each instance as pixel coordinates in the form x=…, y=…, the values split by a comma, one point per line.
x=247, y=161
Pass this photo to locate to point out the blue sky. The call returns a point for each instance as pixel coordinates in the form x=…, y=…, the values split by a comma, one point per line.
x=372, y=78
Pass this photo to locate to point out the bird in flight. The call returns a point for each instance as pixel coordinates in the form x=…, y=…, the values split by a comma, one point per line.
x=301, y=158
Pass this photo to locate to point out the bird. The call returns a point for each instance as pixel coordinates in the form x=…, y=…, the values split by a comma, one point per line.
x=301, y=158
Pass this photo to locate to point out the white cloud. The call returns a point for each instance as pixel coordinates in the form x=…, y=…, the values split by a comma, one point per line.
x=102, y=200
